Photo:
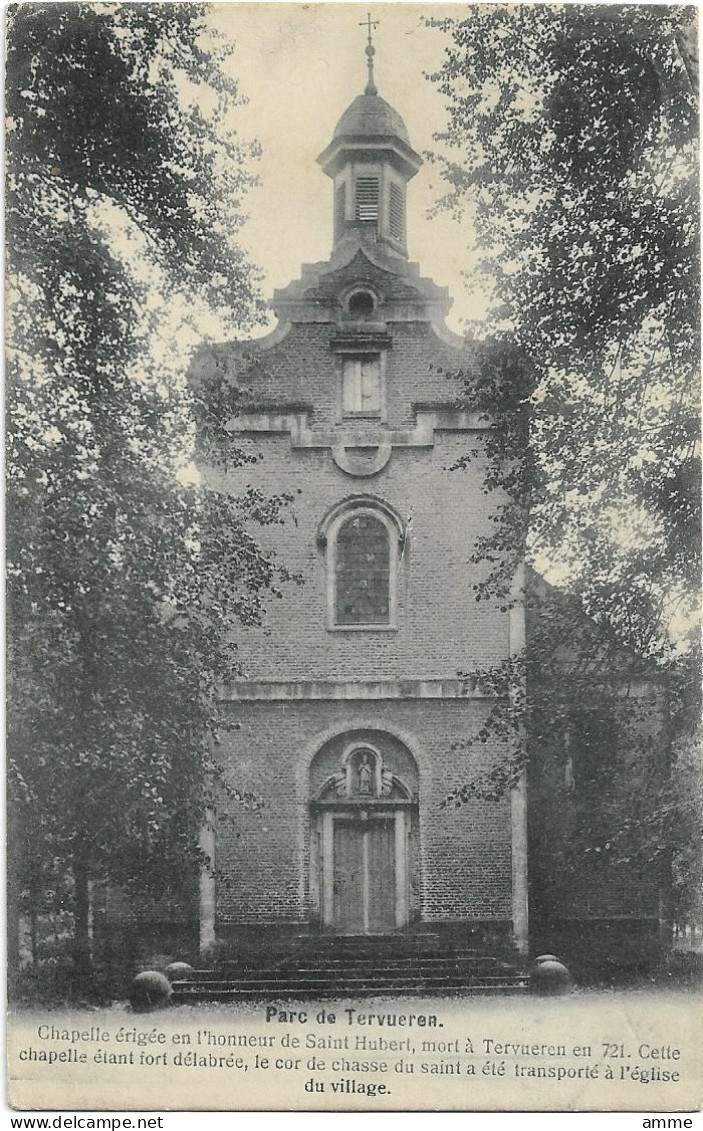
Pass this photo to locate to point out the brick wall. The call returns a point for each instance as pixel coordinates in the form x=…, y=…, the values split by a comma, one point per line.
x=263, y=856
x=460, y=858
x=441, y=628
x=420, y=368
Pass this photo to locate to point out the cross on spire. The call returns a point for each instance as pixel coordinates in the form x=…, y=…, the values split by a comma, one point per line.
x=370, y=24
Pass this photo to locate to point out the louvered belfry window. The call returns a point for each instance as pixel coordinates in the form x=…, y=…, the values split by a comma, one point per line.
x=366, y=199
x=340, y=202
x=362, y=581
x=396, y=218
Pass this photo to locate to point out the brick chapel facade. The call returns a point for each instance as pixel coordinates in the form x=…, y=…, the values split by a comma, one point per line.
x=351, y=716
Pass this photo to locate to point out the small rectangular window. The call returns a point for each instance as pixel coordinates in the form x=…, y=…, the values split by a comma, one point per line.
x=366, y=198
x=361, y=385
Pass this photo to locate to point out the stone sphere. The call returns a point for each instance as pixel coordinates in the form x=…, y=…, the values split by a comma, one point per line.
x=178, y=971
x=549, y=977
x=149, y=990
x=547, y=958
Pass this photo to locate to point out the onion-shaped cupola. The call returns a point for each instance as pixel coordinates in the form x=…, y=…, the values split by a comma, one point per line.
x=370, y=161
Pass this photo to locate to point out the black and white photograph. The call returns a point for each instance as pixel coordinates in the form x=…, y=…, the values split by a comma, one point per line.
x=353, y=557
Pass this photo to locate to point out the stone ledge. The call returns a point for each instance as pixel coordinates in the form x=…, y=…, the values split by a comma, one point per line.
x=295, y=425
x=303, y=690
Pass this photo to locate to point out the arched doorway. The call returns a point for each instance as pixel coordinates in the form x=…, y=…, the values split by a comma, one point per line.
x=363, y=843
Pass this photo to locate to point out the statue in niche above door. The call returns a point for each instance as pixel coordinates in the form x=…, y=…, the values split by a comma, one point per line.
x=365, y=775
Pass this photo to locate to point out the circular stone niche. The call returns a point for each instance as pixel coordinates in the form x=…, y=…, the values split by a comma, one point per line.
x=361, y=304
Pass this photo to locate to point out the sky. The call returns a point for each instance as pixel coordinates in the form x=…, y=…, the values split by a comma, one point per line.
x=300, y=66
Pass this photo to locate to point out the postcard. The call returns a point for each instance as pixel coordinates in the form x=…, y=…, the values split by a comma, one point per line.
x=353, y=557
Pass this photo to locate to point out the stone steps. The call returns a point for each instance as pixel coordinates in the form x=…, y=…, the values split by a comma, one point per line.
x=437, y=968
x=212, y=985
x=314, y=975
x=426, y=956
x=283, y=991
x=463, y=959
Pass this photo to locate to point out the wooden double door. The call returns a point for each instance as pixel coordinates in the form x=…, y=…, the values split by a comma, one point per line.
x=365, y=874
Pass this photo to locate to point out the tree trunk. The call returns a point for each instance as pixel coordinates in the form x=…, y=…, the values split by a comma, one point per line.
x=14, y=870
x=13, y=936
x=82, y=951
x=33, y=940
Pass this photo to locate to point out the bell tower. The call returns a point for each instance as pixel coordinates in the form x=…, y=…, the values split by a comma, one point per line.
x=370, y=161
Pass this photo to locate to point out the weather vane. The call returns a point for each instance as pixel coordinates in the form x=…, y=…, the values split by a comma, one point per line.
x=370, y=24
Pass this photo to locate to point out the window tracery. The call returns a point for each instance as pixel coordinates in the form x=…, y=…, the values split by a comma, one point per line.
x=361, y=537
x=362, y=571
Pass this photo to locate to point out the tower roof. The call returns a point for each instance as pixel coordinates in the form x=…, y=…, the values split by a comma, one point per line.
x=370, y=126
x=369, y=115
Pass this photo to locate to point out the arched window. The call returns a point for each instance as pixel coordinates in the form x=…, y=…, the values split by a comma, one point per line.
x=361, y=303
x=362, y=569
x=362, y=538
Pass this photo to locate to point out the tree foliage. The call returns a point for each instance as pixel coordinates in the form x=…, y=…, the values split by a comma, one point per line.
x=124, y=192
x=572, y=135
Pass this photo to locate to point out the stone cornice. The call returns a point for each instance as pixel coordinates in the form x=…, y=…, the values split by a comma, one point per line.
x=358, y=451
x=295, y=424
x=269, y=691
